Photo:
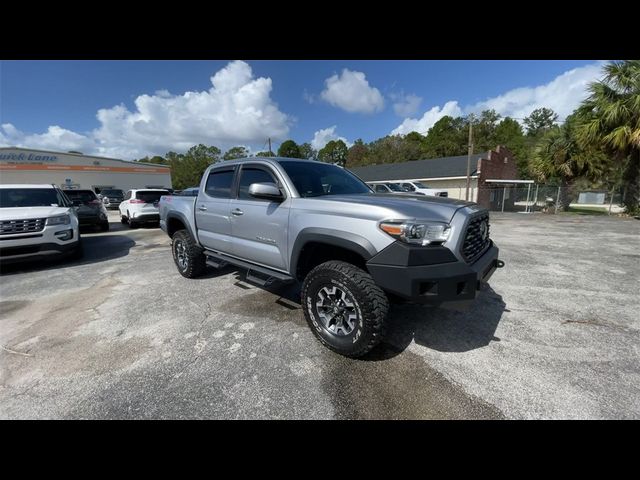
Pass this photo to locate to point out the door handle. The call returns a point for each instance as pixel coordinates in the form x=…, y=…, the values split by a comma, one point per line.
x=237, y=212
x=202, y=208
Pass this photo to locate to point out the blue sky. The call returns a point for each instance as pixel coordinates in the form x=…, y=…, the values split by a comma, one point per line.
x=130, y=109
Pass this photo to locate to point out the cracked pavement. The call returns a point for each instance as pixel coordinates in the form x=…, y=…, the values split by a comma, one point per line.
x=122, y=335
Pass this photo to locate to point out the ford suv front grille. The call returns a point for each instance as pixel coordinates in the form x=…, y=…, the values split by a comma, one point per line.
x=10, y=227
x=476, y=240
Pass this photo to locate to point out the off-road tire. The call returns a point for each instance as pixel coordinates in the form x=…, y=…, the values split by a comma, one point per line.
x=371, y=302
x=196, y=262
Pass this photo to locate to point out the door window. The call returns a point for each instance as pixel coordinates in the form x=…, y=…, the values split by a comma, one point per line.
x=251, y=175
x=219, y=183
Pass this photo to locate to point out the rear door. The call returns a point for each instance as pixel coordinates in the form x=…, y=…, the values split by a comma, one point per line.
x=213, y=211
x=259, y=226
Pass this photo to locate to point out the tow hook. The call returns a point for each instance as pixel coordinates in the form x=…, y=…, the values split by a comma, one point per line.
x=499, y=264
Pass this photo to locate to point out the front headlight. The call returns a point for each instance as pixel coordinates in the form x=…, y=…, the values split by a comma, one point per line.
x=59, y=220
x=417, y=233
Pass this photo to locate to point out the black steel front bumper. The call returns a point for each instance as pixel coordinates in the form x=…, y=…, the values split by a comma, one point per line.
x=431, y=275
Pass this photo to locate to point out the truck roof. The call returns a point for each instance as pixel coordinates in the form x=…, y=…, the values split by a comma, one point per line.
x=270, y=159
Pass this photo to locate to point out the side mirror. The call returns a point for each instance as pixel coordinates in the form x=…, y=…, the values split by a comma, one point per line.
x=267, y=190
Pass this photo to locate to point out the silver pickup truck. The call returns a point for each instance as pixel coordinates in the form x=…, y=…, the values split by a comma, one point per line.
x=291, y=220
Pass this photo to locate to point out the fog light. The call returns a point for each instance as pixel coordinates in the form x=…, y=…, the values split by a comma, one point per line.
x=65, y=235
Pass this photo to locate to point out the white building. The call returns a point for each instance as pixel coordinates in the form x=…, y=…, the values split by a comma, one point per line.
x=75, y=170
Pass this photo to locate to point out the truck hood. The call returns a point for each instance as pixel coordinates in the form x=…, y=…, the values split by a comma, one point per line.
x=389, y=206
x=20, y=213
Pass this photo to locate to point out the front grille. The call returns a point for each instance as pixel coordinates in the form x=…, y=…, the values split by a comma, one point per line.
x=10, y=227
x=476, y=239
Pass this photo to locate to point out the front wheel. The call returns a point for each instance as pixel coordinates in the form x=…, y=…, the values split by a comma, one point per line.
x=187, y=255
x=344, y=308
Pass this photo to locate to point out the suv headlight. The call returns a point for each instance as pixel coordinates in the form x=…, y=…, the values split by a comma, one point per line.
x=417, y=233
x=59, y=220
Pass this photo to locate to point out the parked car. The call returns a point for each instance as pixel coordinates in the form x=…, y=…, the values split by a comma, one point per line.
x=111, y=198
x=37, y=221
x=91, y=211
x=350, y=248
x=387, y=187
x=140, y=206
x=421, y=188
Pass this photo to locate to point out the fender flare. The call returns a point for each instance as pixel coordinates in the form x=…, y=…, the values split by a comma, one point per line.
x=338, y=238
x=182, y=217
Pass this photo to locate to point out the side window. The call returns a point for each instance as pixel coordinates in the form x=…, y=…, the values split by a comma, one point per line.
x=128, y=195
x=251, y=175
x=409, y=186
x=381, y=189
x=219, y=183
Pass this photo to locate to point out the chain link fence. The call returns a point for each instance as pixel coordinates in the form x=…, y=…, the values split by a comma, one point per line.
x=550, y=199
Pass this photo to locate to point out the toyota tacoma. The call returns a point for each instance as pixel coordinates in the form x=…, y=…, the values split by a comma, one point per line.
x=353, y=251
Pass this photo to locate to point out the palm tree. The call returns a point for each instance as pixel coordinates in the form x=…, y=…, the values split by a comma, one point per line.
x=610, y=117
x=559, y=156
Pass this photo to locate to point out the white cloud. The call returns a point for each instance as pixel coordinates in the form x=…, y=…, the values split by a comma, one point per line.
x=422, y=125
x=324, y=136
x=405, y=105
x=237, y=109
x=55, y=138
x=562, y=94
x=351, y=92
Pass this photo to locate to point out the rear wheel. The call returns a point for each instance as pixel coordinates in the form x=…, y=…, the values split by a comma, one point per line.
x=104, y=226
x=131, y=222
x=187, y=255
x=344, y=307
x=123, y=219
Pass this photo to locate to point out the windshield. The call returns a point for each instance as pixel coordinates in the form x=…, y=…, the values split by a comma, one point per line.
x=395, y=187
x=151, y=196
x=80, y=196
x=115, y=193
x=30, y=197
x=420, y=185
x=313, y=179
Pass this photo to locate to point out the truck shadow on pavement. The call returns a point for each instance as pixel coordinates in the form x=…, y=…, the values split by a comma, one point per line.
x=442, y=329
x=436, y=328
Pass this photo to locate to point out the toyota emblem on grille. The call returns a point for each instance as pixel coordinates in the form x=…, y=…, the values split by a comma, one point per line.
x=484, y=231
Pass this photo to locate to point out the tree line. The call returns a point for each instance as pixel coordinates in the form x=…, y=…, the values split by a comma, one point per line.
x=599, y=143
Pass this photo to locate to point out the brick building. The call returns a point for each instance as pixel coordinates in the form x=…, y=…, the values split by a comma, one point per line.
x=450, y=173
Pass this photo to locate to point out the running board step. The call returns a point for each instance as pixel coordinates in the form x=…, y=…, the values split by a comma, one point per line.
x=215, y=259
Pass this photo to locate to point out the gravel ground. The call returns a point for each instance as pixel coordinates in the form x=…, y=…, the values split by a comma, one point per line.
x=122, y=335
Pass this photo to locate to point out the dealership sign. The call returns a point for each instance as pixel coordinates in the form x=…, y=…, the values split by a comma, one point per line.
x=26, y=157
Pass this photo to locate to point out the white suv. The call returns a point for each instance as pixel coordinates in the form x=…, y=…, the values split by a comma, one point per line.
x=418, y=187
x=37, y=221
x=141, y=205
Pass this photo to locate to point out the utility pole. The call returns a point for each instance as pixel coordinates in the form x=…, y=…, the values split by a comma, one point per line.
x=270, y=146
x=466, y=196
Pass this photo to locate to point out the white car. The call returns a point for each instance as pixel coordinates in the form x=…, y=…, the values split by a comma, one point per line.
x=419, y=187
x=387, y=187
x=37, y=221
x=141, y=205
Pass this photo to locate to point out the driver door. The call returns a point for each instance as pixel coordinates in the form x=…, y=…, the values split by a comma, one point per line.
x=259, y=226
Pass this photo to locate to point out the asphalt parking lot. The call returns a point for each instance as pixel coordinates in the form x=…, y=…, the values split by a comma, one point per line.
x=122, y=335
